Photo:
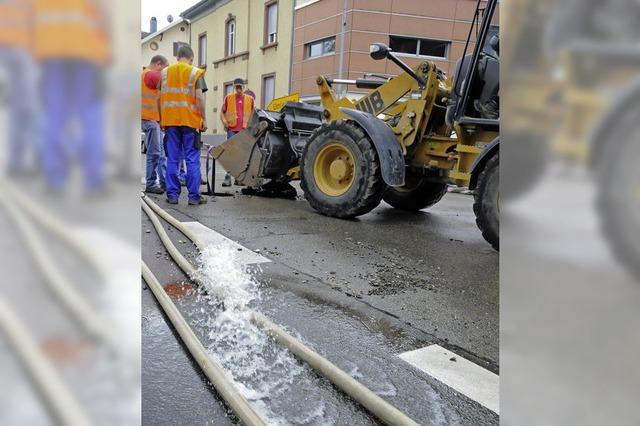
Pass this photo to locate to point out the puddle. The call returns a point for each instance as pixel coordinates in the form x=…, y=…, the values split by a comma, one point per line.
x=178, y=290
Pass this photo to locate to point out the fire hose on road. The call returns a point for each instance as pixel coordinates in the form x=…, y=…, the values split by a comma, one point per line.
x=376, y=405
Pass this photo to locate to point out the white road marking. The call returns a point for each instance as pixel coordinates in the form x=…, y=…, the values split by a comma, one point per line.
x=464, y=376
x=244, y=256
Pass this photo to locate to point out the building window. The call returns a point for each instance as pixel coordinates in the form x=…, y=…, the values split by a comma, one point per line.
x=323, y=47
x=176, y=46
x=268, y=89
x=230, y=38
x=202, y=50
x=228, y=88
x=271, y=23
x=419, y=46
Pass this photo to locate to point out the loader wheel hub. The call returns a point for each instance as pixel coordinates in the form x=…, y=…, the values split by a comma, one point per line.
x=333, y=169
x=338, y=169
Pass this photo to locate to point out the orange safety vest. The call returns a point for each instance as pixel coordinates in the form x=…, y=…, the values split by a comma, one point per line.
x=70, y=29
x=149, y=101
x=178, y=96
x=230, y=114
x=15, y=23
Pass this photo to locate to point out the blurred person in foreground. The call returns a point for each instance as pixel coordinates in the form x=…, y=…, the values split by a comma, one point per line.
x=182, y=116
x=17, y=62
x=150, y=124
x=71, y=46
x=235, y=113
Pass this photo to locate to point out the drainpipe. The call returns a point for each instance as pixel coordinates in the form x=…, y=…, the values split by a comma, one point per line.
x=249, y=44
x=188, y=21
x=293, y=33
x=342, y=41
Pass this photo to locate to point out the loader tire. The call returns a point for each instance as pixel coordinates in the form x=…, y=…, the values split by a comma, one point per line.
x=341, y=149
x=486, y=202
x=418, y=193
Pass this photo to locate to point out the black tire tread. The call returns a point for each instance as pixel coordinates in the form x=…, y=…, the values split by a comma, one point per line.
x=374, y=185
x=420, y=200
x=490, y=235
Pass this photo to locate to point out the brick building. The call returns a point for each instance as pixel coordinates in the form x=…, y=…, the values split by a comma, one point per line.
x=332, y=37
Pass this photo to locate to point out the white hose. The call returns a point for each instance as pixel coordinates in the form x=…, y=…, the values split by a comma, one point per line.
x=55, y=226
x=76, y=304
x=214, y=372
x=377, y=406
x=54, y=392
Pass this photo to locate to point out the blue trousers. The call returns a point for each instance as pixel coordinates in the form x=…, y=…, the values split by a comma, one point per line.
x=182, y=138
x=23, y=118
x=156, y=161
x=72, y=89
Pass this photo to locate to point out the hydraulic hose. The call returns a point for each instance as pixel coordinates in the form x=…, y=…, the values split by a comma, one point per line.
x=376, y=405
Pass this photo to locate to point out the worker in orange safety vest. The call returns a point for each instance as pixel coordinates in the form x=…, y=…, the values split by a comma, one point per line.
x=71, y=44
x=235, y=114
x=182, y=116
x=150, y=125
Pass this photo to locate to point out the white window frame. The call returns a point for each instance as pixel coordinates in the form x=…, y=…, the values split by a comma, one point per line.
x=231, y=37
x=271, y=37
x=419, y=40
x=202, y=53
x=307, y=48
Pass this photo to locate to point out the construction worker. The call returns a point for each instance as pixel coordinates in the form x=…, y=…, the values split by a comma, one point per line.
x=70, y=42
x=182, y=116
x=17, y=62
x=150, y=123
x=235, y=114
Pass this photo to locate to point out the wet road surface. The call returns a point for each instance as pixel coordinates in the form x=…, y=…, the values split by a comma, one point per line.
x=359, y=292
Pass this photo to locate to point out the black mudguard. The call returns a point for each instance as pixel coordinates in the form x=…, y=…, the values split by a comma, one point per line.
x=481, y=160
x=387, y=146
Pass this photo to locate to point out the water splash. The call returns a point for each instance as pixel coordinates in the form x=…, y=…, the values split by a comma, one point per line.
x=264, y=372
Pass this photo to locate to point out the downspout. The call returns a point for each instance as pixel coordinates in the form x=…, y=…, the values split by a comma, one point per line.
x=188, y=21
x=293, y=31
x=342, y=41
x=249, y=43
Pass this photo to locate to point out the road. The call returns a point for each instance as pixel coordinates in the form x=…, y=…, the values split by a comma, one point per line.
x=360, y=292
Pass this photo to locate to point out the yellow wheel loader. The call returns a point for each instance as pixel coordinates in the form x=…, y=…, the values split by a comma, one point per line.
x=403, y=143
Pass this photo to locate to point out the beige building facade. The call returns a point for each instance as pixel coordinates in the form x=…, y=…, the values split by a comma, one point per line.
x=332, y=37
x=165, y=41
x=248, y=39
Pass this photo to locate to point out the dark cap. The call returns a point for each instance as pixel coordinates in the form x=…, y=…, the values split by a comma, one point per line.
x=238, y=82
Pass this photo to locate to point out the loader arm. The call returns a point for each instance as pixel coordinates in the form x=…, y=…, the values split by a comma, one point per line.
x=377, y=101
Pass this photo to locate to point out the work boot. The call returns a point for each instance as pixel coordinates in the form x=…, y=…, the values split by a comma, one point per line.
x=154, y=190
x=198, y=201
x=171, y=201
x=227, y=180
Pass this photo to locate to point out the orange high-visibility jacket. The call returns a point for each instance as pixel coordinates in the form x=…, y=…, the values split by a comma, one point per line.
x=15, y=23
x=69, y=29
x=149, y=101
x=178, y=103
x=230, y=114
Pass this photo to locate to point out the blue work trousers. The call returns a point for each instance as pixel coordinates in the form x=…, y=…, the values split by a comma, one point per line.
x=156, y=160
x=72, y=89
x=181, y=138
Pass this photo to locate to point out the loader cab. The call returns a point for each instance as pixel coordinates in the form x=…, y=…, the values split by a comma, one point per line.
x=475, y=96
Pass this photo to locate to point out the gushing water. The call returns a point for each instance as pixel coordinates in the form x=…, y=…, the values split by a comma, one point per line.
x=263, y=371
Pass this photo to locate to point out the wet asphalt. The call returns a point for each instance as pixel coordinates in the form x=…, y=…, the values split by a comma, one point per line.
x=359, y=292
